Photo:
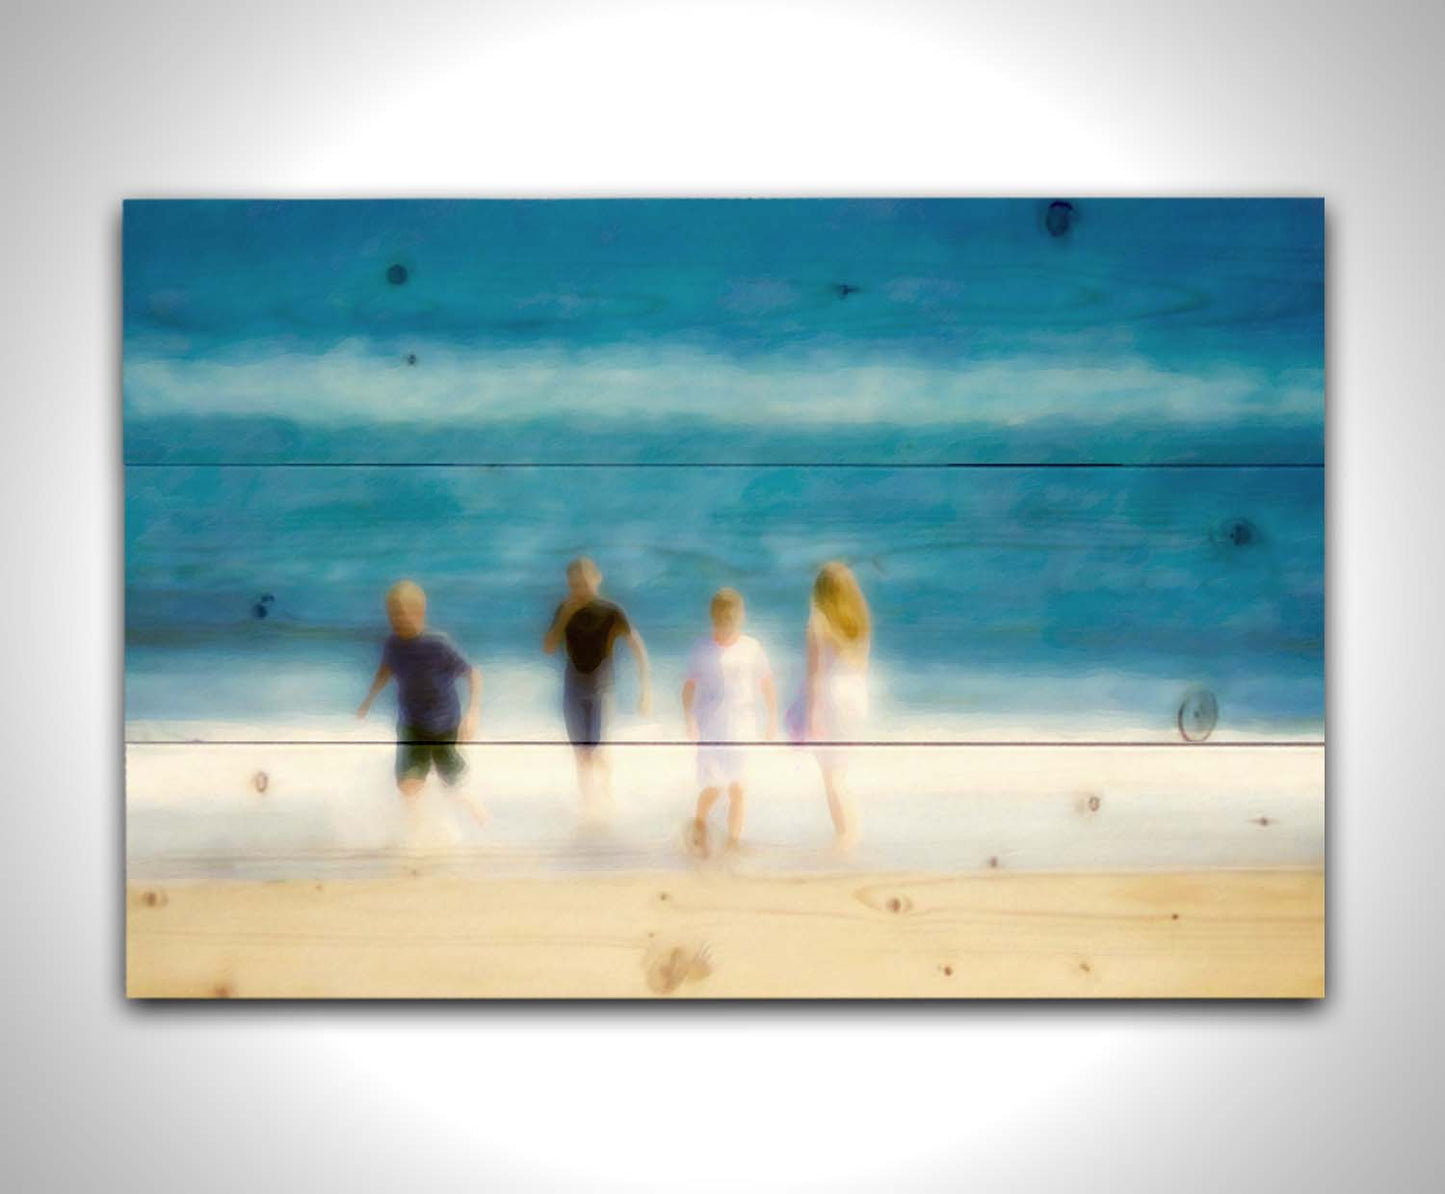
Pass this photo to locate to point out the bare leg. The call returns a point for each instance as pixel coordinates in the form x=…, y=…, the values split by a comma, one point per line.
x=602, y=776
x=736, y=809
x=471, y=799
x=410, y=787
x=705, y=800
x=583, y=757
x=840, y=807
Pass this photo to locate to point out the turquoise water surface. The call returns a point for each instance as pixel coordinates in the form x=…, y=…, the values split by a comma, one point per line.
x=1074, y=456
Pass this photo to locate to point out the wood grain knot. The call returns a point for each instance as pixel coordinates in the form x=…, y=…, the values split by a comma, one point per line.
x=1059, y=217
x=1198, y=715
x=154, y=898
x=667, y=969
x=1238, y=532
x=261, y=781
x=893, y=902
x=1263, y=821
x=1085, y=967
x=993, y=862
x=947, y=971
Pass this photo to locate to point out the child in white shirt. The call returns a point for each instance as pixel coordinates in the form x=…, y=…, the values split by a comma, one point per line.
x=726, y=673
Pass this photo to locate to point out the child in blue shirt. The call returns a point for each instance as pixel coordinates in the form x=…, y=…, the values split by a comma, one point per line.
x=429, y=718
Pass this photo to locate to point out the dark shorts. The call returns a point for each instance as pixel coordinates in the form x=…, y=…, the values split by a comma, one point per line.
x=418, y=751
x=584, y=703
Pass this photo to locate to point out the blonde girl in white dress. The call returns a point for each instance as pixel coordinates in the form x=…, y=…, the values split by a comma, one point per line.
x=836, y=691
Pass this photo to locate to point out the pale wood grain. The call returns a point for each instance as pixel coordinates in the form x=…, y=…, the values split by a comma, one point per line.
x=723, y=935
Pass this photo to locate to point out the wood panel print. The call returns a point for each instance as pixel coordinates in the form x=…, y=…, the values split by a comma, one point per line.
x=724, y=598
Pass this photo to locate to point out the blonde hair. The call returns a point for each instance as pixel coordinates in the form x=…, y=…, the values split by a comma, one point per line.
x=839, y=600
x=406, y=594
x=727, y=605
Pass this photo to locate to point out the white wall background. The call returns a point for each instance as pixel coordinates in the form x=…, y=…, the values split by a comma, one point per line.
x=163, y=97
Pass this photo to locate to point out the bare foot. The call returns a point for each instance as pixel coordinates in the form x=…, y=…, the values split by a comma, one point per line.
x=697, y=837
x=845, y=843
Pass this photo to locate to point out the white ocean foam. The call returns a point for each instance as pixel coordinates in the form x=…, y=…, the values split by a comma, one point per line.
x=263, y=700
x=833, y=386
x=198, y=812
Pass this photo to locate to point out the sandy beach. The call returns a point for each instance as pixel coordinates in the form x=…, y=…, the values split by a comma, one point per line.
x=264, y=869
x=720, y=934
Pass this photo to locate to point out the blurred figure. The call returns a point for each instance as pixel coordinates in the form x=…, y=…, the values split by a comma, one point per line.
x=590, y=626
x=726, y=673
x=429, y=718
x=836, y=692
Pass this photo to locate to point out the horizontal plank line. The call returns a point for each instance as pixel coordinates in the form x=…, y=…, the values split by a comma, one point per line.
x=1303, y=743
x=679, y=464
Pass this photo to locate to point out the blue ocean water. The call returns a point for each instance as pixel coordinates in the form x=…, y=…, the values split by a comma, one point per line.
x=543, y=372
x=1093, y=595
x=707, y=331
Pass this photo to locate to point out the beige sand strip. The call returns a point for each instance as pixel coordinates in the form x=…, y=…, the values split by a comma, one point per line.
x=718, y=934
